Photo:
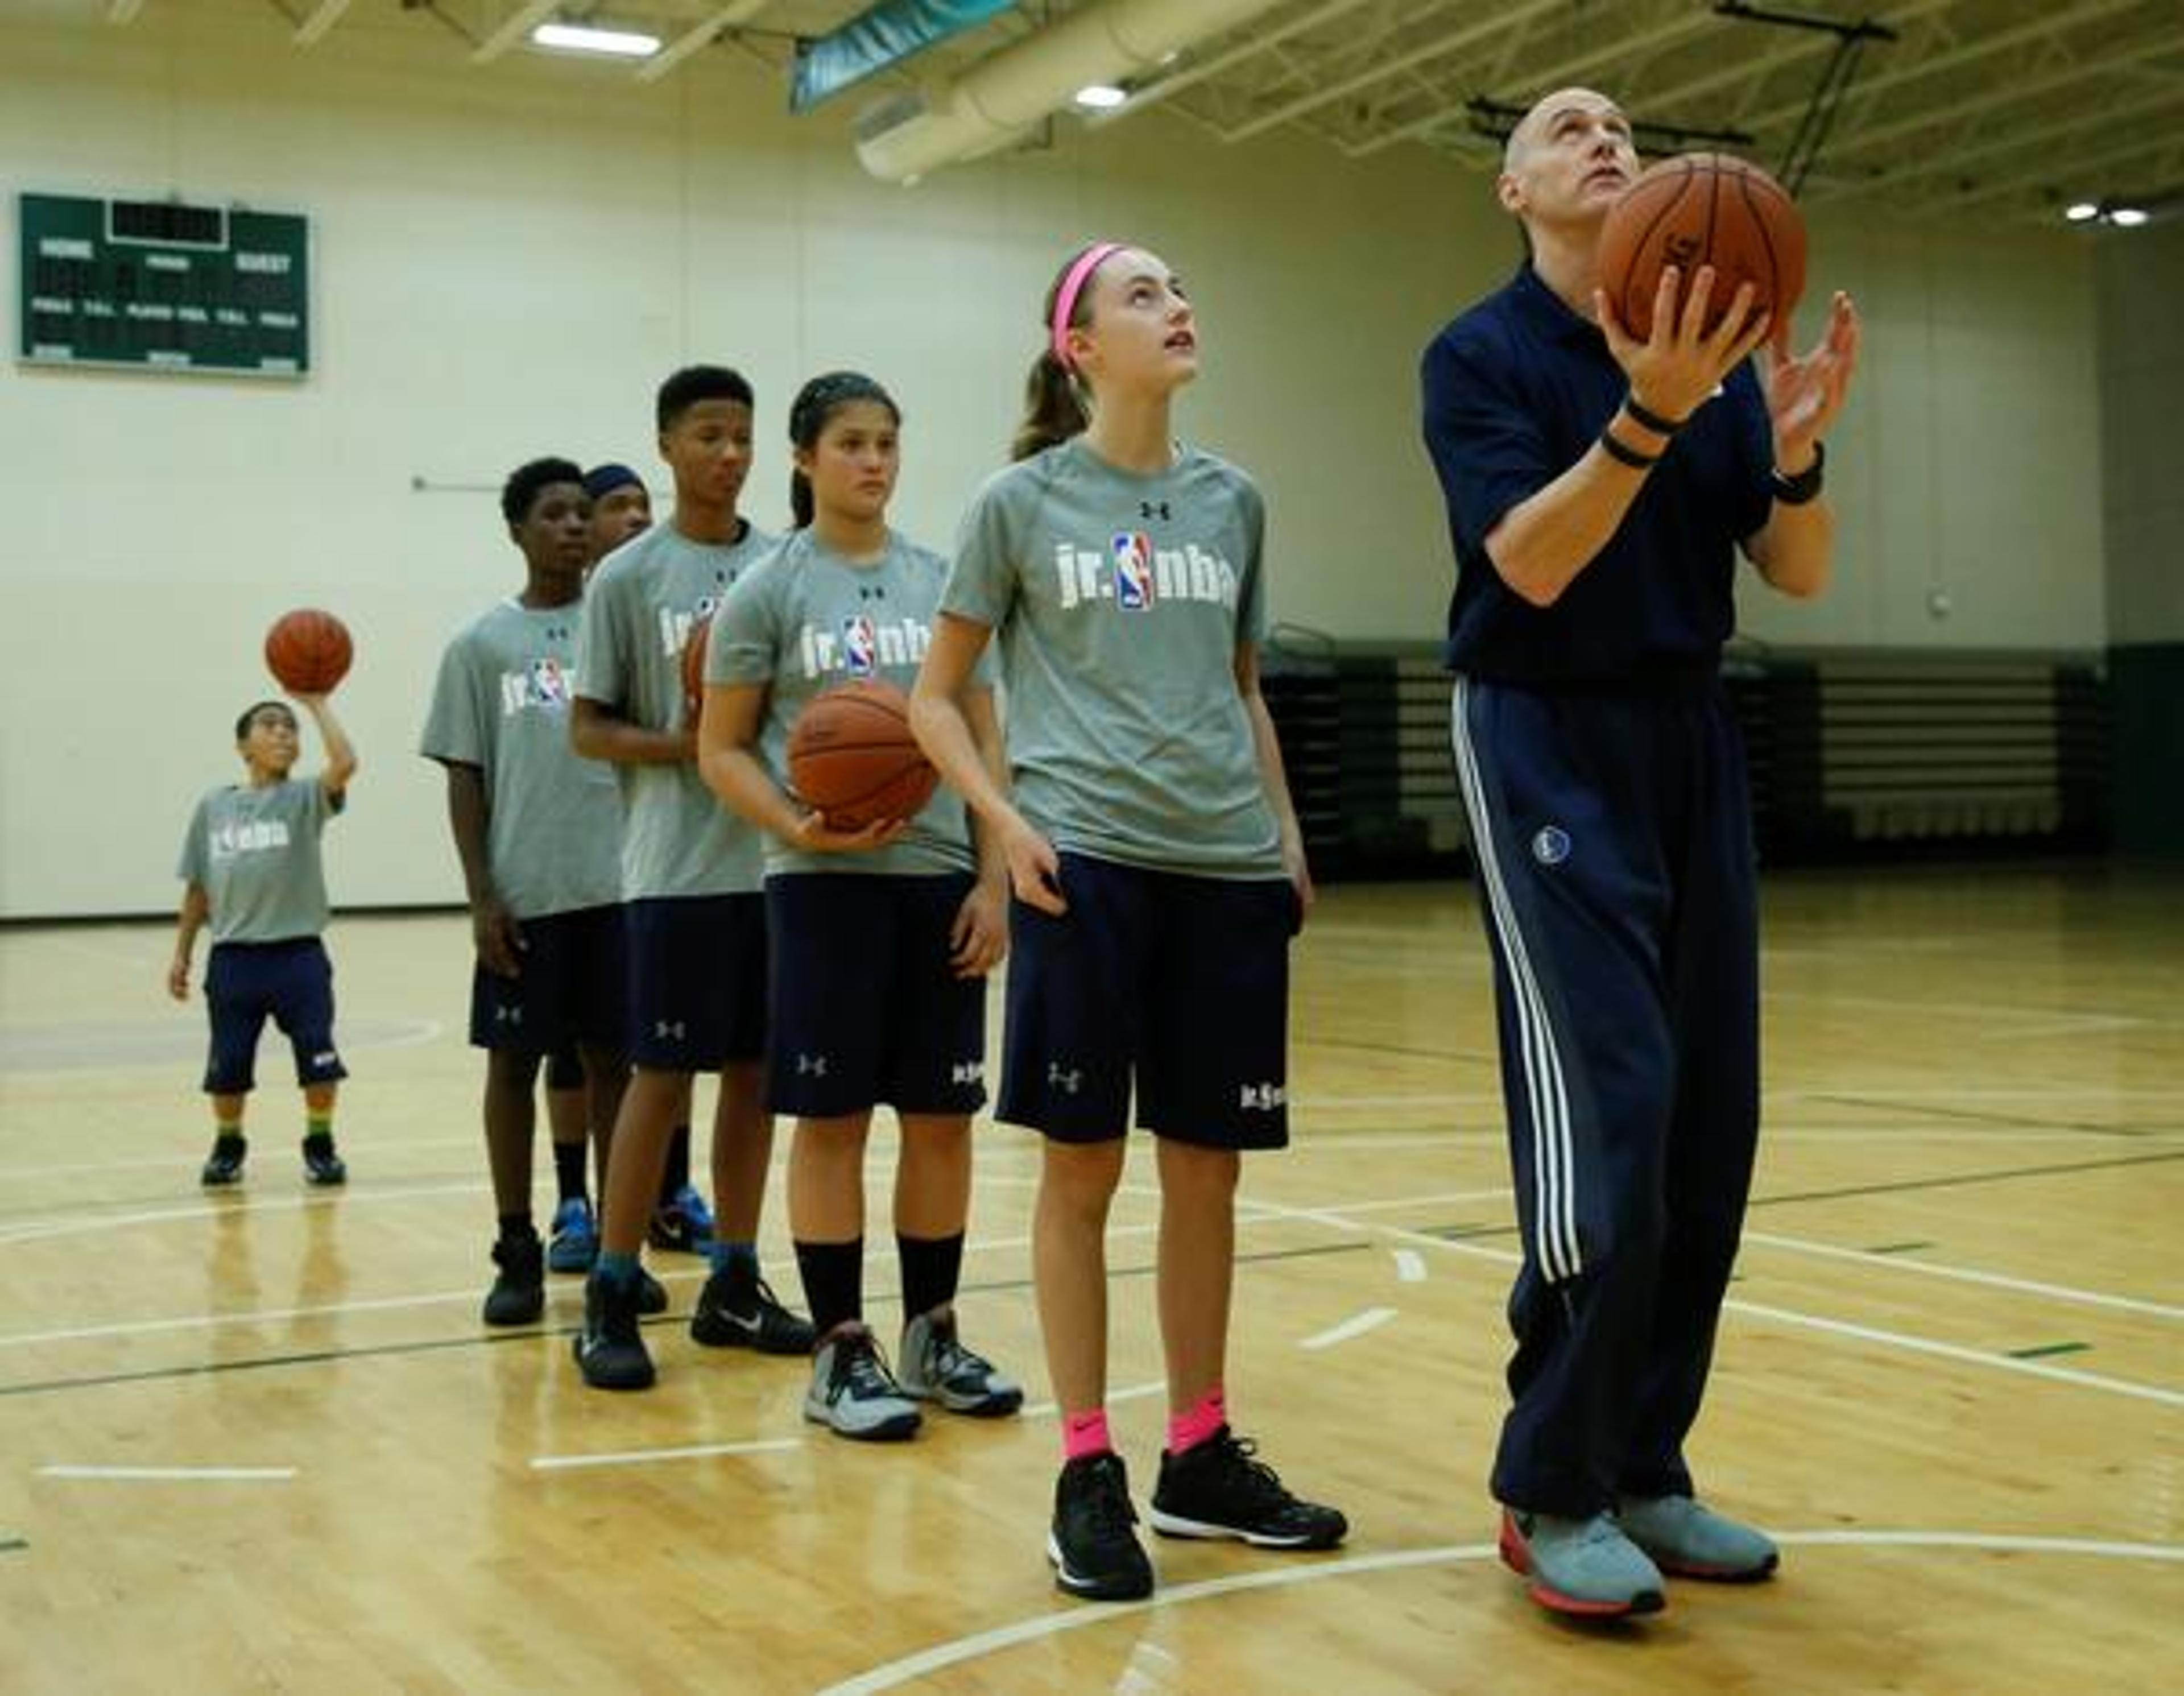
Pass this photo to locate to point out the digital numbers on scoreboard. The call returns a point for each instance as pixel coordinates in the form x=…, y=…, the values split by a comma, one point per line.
x=157, y=285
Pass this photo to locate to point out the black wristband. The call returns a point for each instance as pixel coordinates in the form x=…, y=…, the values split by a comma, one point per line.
x=1623, y=454
x=1805, y=487
x=1647, y=418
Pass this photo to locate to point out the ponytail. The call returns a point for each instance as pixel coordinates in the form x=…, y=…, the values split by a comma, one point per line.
x=800, y=506
x=1054, y=408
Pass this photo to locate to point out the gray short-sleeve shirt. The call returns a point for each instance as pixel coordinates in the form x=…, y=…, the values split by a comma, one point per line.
x=255, y=853
x=677, y=840
x=501, y=703
x=805, y=619
x=1118, y=602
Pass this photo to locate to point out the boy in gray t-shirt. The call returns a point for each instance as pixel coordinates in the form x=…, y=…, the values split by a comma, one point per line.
x=251, y=871
x=690, y=883
x=538, y=832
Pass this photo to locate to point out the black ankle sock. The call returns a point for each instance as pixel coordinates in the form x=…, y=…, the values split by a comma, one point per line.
x=515, y=1227
x=931, y=1267
x=677, y=1172
x=569, y=1170
x=834, y=1281
x=228, y=1142
x=319, y=1143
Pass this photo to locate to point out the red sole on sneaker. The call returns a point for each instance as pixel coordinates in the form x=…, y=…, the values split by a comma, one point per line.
x=1518, y=1560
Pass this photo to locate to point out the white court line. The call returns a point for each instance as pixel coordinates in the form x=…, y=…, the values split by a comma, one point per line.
x=180, y=1474
x=1135, y=1393
x=44, y=1230
x=1410, y=1266
x=643, y=1457
x=1371, y=1319
x=2086, y=1024
x=1911, y=1344
x=1965, y=1274
x=977, y=1645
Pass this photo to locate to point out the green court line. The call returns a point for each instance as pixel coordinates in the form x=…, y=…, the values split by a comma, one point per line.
x=2046, y=1349
x=8, y=1545
x=1897, y=1247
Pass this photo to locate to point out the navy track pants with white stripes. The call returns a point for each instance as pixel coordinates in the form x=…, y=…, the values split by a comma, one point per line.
x=1613, y=840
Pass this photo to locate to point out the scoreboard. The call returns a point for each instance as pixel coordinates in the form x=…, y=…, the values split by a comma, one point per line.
x=157, y=285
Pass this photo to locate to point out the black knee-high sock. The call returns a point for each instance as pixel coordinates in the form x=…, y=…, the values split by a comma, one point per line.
x=834, y=1281
x=931, y=1266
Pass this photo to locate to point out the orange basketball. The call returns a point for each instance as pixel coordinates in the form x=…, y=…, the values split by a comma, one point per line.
x=308, y=650
x=852, y=757
x=1702, y=209
x=694, y=667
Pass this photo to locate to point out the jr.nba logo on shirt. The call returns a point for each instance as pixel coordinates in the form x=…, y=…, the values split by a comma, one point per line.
x=860, y=646
x=1132, y=551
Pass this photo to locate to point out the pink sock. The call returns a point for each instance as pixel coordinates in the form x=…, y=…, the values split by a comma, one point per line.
x=1084, y=1434
x=1196, y=1423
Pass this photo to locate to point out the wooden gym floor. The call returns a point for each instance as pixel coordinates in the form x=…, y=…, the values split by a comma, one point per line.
x=259, y=1441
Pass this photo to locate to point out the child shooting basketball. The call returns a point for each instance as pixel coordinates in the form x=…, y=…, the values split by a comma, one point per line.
x=251, y=871
x=879, y=938
x=1158, y=872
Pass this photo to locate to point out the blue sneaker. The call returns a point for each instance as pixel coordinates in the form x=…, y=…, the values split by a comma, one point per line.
x=1691, y=1541
x=683, y=1223
x=1585, y=1567
x=576, y=1235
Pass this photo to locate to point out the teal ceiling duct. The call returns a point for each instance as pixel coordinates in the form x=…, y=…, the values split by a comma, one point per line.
x=885, y=35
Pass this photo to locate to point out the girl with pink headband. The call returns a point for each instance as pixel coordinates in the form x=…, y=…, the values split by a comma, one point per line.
x=1157, y=871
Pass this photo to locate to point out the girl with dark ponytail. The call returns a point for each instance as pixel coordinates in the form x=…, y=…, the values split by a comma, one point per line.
x=880, y=938
x=1158, y=873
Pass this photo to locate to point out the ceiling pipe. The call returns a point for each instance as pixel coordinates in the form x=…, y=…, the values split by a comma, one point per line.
x=999, y=98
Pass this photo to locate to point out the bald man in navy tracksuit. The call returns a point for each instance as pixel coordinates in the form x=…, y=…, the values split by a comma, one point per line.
x=1599, y=490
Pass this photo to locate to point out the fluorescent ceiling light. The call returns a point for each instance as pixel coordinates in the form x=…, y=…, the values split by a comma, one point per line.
x=582, y=38
x=2081, y=212
x=1100, y=96
x=2127, y=217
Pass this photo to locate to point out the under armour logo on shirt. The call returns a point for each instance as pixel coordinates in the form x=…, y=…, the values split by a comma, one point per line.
x=967, y=1072
x=678, y=1029
x=810, y=1065
x=1153, y=509
x=1070, y=1081
x=508, y=1015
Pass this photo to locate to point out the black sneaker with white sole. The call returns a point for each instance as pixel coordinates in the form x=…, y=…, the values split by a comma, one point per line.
x=739, y=1311
x=1220, y=1488
x=1095, y=1552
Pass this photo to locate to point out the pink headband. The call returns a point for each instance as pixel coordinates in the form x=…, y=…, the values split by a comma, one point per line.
x=1072, y=285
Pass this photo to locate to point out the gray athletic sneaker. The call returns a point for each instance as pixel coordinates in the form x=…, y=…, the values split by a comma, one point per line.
x=1694, y=1541
x=852, y=1392
x=936, y=1367
x=1587, y=1567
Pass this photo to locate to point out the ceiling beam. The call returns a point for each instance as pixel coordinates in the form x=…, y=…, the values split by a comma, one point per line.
x=1440, y=47
x=1152, y=93
x=698, y=38
x=513, y=29
x=1553, y=76
x=2066, y=174
x=1751, y=72
x=1980, y=47
x=1957, y=162
x=2009, y=92
x=323, y=18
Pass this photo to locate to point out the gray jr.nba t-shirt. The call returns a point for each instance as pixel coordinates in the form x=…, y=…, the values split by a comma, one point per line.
x=501, y=703
x=255, y=852
x=805, y=619
x=1118, y=601
x=677, y=840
